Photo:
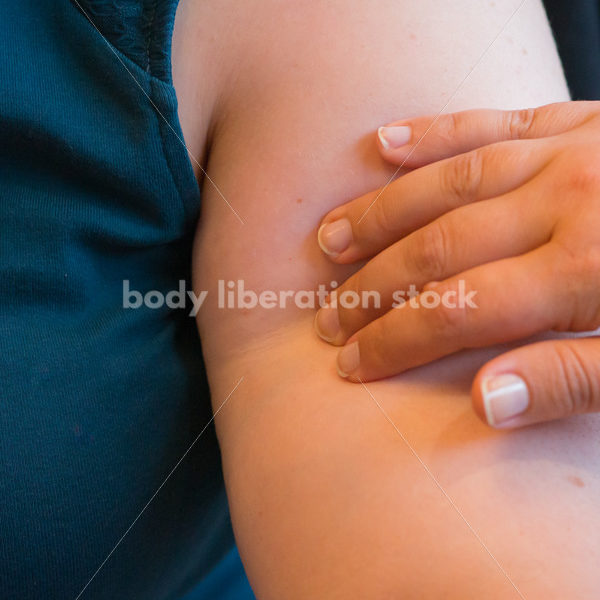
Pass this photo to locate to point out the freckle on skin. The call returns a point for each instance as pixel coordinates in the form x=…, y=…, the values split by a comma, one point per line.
x=576, y=481
x=299, y=201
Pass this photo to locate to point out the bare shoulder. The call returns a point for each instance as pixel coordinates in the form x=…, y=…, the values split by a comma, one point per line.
x=241, y=58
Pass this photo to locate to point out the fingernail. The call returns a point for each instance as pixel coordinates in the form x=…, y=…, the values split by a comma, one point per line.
x=327, y=323
x=504, y=397
x=394, y=137
x=348, y=360
x=335, y=237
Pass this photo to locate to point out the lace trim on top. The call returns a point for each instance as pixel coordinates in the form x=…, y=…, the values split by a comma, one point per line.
x=140, y=29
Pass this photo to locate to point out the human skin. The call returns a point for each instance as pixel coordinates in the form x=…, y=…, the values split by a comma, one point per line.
x=506, y=206
x=279, y=103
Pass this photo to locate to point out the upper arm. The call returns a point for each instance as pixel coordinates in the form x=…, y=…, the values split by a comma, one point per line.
x=307, y=85
x=327, y=499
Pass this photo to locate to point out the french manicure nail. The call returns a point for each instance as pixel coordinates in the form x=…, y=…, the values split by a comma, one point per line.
x=504, y=397
x=348, y=360
x=335, y=237
x=394, y=137
x=327, y=323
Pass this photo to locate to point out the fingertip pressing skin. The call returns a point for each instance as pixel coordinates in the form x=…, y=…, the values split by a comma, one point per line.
x=327, y=324
x=348, y=359
x=335, y=237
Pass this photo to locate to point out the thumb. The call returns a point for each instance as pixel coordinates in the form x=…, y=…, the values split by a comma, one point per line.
x=541, y=382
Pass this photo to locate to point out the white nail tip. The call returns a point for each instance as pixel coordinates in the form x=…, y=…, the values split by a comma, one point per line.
x=504, y=397
x=382, y=138
x=394, y=136
x=322, y=246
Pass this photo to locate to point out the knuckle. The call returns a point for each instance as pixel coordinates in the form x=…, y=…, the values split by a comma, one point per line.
x=520, y=123
x=579, y=172
x=578, y=269
x=429, y=251
x=580, y=389
x=589, y=265
x=583, y=117
x=461, y=177
x=385, y=214
x=584, y=281
x=579, y=264
x=594, y=119
x=584, y=176
x=448, y=128
x=451, y=319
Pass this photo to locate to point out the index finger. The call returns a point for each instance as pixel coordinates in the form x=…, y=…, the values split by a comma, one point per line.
x=365, y=226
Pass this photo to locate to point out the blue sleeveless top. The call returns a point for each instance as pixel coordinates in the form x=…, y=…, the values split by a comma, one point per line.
x=99, y=402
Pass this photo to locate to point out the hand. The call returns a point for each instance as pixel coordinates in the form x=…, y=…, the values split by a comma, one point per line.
x=503, y=208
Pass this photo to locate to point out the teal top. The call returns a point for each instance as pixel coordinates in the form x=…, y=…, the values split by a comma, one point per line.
x=98, y=402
